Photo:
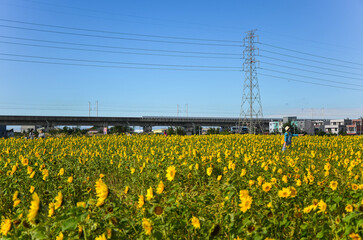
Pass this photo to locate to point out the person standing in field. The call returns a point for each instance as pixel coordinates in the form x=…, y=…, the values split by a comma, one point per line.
x=288, y=137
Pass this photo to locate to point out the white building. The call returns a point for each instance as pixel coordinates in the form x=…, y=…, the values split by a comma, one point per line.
x=337, y=126
x=306, y=126
x=275, y=127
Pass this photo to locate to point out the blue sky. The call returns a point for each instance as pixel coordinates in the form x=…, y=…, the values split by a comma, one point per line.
x=330, y=31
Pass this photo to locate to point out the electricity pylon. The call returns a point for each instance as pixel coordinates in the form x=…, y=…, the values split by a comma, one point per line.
x=251, y=108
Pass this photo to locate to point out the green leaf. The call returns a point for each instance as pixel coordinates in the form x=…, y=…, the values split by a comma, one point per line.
x=304, y=226
x=38, y=234
x=349, y=217
x=69, y=224
x=320, y=234
x=333, y=207
x=171, y=200
x=257, y=237
x=158, y=235
x=338, y=199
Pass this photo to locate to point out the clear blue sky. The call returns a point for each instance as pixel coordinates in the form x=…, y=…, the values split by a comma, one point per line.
x=325, y=28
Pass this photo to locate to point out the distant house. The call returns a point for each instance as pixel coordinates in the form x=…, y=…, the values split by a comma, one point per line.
x=355, y=128
x=319, y=125
x=93, y=130
x=275, y=126
x=27, y=128
x=337, y=126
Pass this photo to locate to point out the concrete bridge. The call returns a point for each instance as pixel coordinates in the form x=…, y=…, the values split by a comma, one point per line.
x=146, y=122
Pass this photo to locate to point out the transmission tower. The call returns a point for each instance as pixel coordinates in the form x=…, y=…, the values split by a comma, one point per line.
x=251, y=108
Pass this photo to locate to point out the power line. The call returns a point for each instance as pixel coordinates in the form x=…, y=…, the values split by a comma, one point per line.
x=125, y=67
x=120, y=38
x=114, y=62
x=311, y=71
x=310, y=54
x=116, y=52
x=313, y=66
x=320, y=79
x=309, y=40
x=190, y=24
x=117, y=47
x=118, y=33
x=310, y=60
x=320, y=84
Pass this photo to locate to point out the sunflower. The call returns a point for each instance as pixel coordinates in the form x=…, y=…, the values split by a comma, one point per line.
x=61, y=172
x=246, y=203
x=170, y=173
x=5, y=226
x=293, y=192
x=102, y=192
x=70, y=179
x=266, y=186
x=209, y=171
x=60, y=236
x=101, y=237
x=149, y=194
x=354, y=236
x=158, y=210
x=34, y=207
x=355, y=186
x=284, y=193
x=146, y=224
x=321, y=206
x=160, y=188
x=333, y=185
x=195, y=222
x=141, y=201
x=349, y=208
x=81, y=204
x=51, y=209
x=58, y=200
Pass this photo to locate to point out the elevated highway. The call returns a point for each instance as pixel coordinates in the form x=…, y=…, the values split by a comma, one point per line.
x=146, y=122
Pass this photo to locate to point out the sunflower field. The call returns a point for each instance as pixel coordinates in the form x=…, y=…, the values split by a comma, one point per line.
x=181, y=187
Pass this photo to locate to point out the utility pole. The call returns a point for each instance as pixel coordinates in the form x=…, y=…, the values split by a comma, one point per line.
x=97, y=108
x=251, y=108
x=89, y=108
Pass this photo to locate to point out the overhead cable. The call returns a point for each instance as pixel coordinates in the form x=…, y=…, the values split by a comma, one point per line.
x=311, y=60
x=120, y=38
x=125, y=67
x=314, y=83
x=310, y=54
x=118, y=33
x=118, y=47
x=114, y=62
x=320, y=79
x=305, y=70
x=308, y=65
x=116, y=52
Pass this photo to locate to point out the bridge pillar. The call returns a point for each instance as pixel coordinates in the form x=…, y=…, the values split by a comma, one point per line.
x=147, y=129
x=189, y=130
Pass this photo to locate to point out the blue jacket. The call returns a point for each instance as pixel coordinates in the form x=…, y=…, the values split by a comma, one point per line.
x=288, y=137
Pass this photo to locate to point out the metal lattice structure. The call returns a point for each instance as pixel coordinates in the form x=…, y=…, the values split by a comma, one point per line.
x=251, y=108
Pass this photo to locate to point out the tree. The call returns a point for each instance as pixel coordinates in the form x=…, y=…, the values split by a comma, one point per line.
x=213, y=131
x=170, y=131
x=180, y=131
x=120, y=129
x=197, y=130
x=293, y=128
